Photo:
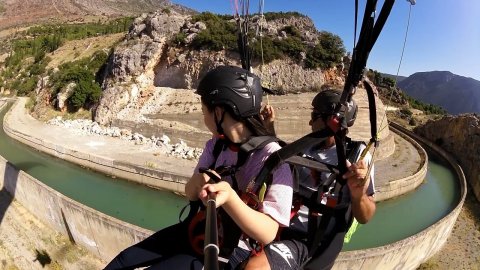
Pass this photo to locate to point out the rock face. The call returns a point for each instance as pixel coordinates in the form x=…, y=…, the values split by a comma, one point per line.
x=63, y=95
x=130, y=71
x=145, y=62
x=459, y=135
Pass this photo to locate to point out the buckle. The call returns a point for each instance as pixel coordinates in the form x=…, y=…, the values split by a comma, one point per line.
x=250, y=199
x=332, y=201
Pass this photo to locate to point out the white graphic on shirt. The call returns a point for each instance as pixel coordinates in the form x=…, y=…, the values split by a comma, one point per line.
x=283, y=251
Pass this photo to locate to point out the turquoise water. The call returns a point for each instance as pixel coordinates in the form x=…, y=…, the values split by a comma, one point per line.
x=127, y=201
x=394, y=220
x=413, y=212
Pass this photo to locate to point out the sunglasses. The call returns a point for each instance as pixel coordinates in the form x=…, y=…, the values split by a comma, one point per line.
x=315, y=115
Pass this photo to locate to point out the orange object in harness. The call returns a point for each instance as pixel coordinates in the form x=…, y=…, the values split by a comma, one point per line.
x=196, y=231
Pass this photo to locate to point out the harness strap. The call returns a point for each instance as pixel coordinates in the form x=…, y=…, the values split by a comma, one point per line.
x=312, y=164
x=292, y=149
x=230, y=239
x=258, y=143
x=372, y=109
x=316, y=230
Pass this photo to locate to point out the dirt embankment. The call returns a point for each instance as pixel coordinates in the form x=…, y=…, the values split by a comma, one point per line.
x=462, y=249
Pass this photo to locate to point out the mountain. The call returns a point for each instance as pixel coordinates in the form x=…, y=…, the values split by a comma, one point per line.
x=22, y=12
x=456, y=94
x=398, y=78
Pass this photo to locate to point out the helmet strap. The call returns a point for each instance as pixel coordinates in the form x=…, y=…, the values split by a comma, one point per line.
x=221, y=133
x=219, y=123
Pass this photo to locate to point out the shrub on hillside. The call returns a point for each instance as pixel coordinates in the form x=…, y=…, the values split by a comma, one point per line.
x=24, y=86
x=179, y=39
x=290, y=46
x=84, y=30
x=427, y=108
x=221, y=34
x=412, y=122
x=292, y=31
x=406, y=112
x=86, y=92
x=19, y=73
x=270, y=16
x=327, y=53
x=268, y=48
x=83, y=73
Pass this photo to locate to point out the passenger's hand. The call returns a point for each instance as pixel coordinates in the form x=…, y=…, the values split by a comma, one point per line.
x=222, y=192
x=267, y=114
x=356, y=179
x=195, y=185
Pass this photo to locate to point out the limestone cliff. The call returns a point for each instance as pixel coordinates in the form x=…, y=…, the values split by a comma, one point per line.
x=145, y=63
x=459, y=135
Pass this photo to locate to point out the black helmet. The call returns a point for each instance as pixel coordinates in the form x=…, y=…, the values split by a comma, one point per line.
x=325, y=102
x=234, y=87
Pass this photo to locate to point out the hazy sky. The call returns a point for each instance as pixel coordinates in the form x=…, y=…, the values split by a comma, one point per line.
x=443, y=34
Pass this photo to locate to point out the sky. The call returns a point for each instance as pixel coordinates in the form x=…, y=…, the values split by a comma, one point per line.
x=443, y=34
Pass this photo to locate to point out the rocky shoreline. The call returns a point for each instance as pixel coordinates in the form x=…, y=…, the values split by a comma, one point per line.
x=162, y=143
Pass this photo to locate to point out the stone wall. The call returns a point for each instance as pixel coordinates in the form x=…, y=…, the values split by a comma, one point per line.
x=103, y=235
x=403, y=185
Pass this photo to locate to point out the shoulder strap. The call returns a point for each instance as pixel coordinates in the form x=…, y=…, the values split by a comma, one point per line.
x=258, y=142
x=254, y=143
x=230, y=240
x=217, y=149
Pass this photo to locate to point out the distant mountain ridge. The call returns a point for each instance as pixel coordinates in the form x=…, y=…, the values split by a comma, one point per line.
x=455, y=93
x=398, y=78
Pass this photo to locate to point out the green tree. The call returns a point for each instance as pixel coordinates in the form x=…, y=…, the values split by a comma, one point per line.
x=25, y=86
x=219, y=35
x=290, y=46
x=84, y=93
x=327, y=53
x=388, y=82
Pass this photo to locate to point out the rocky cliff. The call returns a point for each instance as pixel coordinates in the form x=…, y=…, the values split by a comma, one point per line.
x=459, y=135
x=146, y=63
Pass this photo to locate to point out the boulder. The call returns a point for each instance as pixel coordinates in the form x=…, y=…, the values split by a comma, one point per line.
x=63, y=95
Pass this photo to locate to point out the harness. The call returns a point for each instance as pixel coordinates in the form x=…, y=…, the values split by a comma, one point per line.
x=329, y=217
x=196, y=217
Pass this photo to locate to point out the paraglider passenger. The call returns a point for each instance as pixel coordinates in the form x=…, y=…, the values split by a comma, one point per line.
x=357, y=200
x=231, y=102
